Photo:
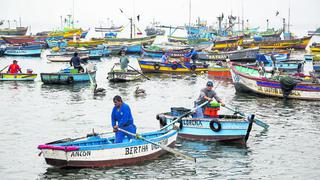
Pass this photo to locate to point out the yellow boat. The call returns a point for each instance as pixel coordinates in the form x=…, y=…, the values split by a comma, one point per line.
x=315, y=47
x=228, y=44
x=17, y=77
x=85, y=43
x=299, y=43
x=69, y=33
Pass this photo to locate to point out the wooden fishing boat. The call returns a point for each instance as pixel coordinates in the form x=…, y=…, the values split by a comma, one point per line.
x=124, y=41
x=24, y=50
x=18, y=31
x=248, y=79
x=65, y=57
x=67, y=77
x=98, y=151
x=109, y=29
x=244, y=55
x=299, y=43
x=118, y=75
x=85, y=43
x=213, y=127
x=182, y=40
x=228, y=44
x=67, y=33
x=157, y=52
x=154, y=66
x=18, y=39
x=222, y=72
x=17, y=77
x=315, y=47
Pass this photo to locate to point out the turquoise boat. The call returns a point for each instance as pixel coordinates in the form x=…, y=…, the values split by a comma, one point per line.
x=97, y=151
x=67, y=77
x=213, y=127
x=28, y=50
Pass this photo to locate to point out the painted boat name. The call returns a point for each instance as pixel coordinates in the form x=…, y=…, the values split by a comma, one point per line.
x=80, y=153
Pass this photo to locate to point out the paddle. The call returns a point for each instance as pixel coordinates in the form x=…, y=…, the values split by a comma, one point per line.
x=4, y=68
x=74, y=139
x=27, y=76
x=138, y=72
x=175, y=152
x=183, y=115
x=256, y=121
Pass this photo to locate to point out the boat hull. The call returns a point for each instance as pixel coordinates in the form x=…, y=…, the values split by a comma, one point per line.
x=244, y=82
x=17, y=77
x=66, y=78
x=121, y=76
x=157, y=67
x=232, y=128
x=23, y=52
x=107, y=155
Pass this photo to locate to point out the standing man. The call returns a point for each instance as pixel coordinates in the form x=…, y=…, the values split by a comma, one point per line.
x=121, y=117
x=124, y=61
x=206, y=94
x=75, y=62
x=193, y=55
x=165, y=58
x=14, y=68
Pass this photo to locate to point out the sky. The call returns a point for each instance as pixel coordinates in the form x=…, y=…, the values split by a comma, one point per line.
x=44, y=15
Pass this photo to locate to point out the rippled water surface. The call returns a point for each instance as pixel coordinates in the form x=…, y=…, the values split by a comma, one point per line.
x=32, y=113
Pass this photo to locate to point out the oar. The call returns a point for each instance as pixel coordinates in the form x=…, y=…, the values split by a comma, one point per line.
x=183, y=115
x=256, y=121
x=74, y=139
x=175, y=152
x=27, y=76
x=4, y=68
x=138, y=72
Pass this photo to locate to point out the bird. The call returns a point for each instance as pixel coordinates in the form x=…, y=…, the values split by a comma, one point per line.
x=98, y=91
x=139, y=92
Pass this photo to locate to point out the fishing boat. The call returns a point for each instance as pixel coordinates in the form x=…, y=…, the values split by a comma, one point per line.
x=97, y=151
x=67, y=33
x=158, y=52
x=228, y=44
x=298, y=43
x=250, y=79
x=67, y=76
x=244, y=55
x=221, y=72
x=85, y=43
x=315, y=47
x=109, y=29
x=118, y=75
x=154, y=66
x=213, y=127
x=18, y=39
x=24, y=50
x=18, y=31
x=182, y=40
x=121, y=41
x=17, y=77
x=316, y=66
x=65, y=57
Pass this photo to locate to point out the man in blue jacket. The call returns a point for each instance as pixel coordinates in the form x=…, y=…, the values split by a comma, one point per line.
x=121, y=117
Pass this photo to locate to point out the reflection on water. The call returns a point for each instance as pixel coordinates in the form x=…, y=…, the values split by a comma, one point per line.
x=33, y=113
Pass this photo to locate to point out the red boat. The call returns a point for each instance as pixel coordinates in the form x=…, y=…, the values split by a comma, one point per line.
x=19, y=39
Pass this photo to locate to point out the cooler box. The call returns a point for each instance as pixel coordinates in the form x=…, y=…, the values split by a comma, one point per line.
x=212, y=109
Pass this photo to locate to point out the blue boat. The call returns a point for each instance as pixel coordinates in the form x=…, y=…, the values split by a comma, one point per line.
x=23, y=50
x=213, y=127
x=97, y=151
x=67, y=76
x=136, y=48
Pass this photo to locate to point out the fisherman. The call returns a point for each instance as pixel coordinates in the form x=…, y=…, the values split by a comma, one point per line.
x=14, y=68
x=124, y=61
x=193, y=55
x=206, y=94
x=75, y=62
x=165, y=58
x=121, y=117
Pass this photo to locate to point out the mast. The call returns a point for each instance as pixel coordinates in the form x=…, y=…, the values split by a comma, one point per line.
x=130, y=27
x=72, y=13
x=20, y=21
x=242, y=22
x=289, y=17
x=189, y=13
x=134, y=20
